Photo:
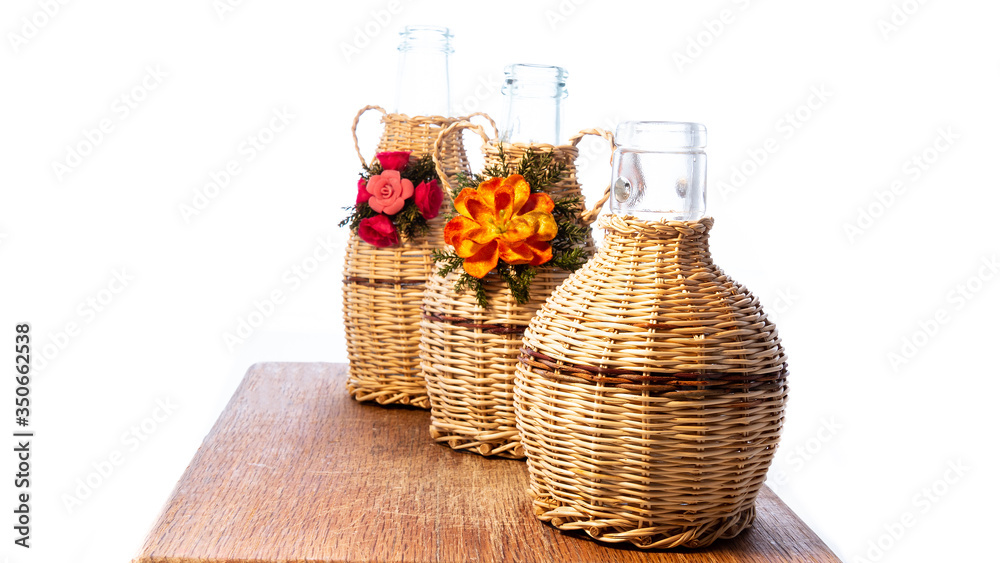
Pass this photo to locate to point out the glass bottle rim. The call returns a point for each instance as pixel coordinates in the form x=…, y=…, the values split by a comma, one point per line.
x=536, y=80
x=661, y=136
x=435, y=36
x=537, y=69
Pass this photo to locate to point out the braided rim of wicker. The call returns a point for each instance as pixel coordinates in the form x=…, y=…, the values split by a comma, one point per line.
x=469, y=354
x=650, y=394
x=383, y=287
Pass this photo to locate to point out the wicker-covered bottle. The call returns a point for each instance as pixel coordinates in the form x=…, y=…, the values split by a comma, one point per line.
x=651, y=391
x=383, y=286
x=469, y=352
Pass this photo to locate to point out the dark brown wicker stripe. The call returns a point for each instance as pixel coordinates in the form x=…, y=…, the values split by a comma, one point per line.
x=630, y=379
x=381, y=283
x=485, y=327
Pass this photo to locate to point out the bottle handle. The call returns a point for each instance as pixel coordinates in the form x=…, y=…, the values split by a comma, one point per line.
x=354, y=130
x=456, y=127
x=588, y=216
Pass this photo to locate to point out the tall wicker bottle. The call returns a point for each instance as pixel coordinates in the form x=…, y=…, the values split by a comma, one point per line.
x=468, y=352
x=383, y=286
x=651, y=390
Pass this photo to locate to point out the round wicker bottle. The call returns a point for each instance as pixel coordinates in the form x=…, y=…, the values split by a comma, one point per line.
x=651, y=390
x=469, y=353
x=383, y=286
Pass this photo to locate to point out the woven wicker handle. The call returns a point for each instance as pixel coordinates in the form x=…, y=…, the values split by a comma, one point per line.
x=588, y=216
x=493, y=124
x=354, y=130
x=456, y=127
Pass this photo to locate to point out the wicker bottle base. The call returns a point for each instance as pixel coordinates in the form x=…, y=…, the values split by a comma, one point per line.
x=651, y=392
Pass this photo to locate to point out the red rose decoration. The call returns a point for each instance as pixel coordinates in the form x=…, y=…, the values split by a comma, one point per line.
x=395, y=160
x=378, y=231
x=363, y=194
x=428, y=199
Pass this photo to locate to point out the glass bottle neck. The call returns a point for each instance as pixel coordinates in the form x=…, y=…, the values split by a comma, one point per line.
x=422, y=84
x=533, y=104
x=659, y=171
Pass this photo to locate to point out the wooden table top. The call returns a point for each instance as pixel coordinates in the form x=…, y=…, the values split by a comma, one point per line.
x=296, y=470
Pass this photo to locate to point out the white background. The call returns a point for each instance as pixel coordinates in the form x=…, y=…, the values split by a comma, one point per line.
x=869, y=440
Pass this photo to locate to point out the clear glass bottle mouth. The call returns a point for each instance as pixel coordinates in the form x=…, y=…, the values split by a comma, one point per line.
x=426, y=37
x=535, y=81
x=661, y=136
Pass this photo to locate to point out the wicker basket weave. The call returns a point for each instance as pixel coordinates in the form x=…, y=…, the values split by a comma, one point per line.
x=651, y=392
x=469, y=354
x=383, y=286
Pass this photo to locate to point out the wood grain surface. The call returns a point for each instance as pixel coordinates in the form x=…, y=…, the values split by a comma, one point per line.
x=295, y=470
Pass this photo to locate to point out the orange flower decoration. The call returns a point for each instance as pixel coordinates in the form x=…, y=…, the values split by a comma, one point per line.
x=501, y=220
